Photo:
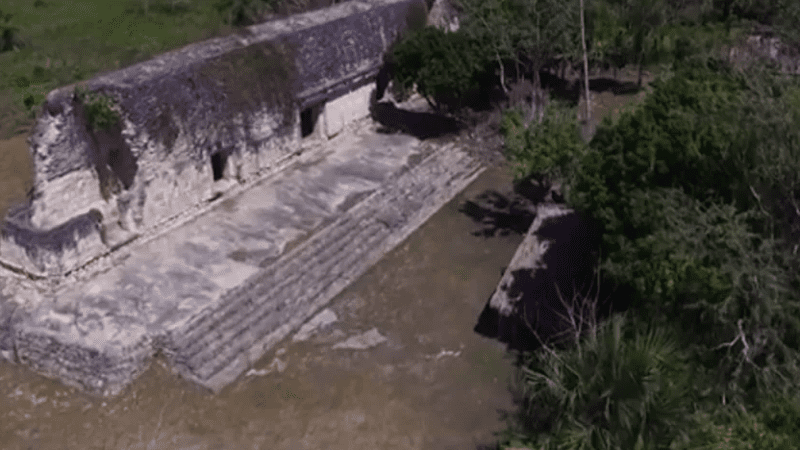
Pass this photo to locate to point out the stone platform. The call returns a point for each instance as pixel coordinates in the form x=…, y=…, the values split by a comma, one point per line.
x=219, y=291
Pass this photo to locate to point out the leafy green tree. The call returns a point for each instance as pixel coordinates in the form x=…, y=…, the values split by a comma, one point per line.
x=448, y=69
x=627, y=31
x=608, y=34
x=493, y=23
x=681, y=187
x=530, y=31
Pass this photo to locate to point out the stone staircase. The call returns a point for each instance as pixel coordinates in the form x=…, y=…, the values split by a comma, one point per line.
x=219, y=343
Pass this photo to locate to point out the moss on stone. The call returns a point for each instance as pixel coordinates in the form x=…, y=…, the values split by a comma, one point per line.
x=263, y=73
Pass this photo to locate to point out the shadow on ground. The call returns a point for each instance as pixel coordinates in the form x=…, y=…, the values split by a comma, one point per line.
x=569, y=90
x=504, y=213
x=422, y=125
x=499, y=214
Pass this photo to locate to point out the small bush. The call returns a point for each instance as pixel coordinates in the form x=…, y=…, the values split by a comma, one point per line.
x=547, y=151
x=8, y=33
x=99, y=110
x=773, y=425
x=242, y=12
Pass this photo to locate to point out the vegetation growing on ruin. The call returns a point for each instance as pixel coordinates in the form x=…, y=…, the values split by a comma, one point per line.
x=700, y=225
x=98, y=108
x=255, y=74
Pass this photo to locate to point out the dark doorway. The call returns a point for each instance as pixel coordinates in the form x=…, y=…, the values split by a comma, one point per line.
x=308, y=120
x=218, y=161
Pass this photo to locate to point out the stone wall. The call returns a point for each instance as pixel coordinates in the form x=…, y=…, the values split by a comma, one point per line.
x=194, y=123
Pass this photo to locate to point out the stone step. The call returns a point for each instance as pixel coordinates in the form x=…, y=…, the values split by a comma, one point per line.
x=245, y=332
x=273, y=300
x=198, y=333
x=277, y=276
x=217, y=346
x=215, y=359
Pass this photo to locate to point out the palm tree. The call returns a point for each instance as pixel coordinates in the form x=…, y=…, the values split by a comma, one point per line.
x=620, y=385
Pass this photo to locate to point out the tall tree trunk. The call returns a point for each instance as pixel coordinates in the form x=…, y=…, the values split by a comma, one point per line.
x=502, y=73
x=537, y=99
x=585, y=70
x=639, y=82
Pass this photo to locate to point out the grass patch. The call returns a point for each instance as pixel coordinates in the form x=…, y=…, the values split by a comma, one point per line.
x=67, y=42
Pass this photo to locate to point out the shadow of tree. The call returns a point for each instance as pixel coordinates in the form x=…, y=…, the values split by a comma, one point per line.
x=499, y=214
x=569, y=91
x=422, y=125
x=615, y=86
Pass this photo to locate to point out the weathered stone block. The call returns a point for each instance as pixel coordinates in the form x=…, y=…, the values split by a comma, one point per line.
x=347, y=108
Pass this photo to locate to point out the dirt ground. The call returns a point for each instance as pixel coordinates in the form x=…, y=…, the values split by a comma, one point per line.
x=433, y=383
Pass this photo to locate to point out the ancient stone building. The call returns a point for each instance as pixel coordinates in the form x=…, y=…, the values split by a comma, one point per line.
x=191, y=124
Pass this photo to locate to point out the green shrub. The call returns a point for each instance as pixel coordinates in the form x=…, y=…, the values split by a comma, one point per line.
x=671, y=140
x=241, y=12
x=773, y=425
x=447, y=68
x=547, y=151
x=8, y=33
x=99, y=109
x=696, y=192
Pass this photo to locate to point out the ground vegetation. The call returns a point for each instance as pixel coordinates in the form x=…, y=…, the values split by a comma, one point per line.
x=696, y=190
x=46, y=44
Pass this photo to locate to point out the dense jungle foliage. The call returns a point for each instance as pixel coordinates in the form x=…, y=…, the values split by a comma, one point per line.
x=697, y=191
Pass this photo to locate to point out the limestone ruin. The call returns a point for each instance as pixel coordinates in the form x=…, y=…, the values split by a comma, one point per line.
x=206, y=203
x=193, y=123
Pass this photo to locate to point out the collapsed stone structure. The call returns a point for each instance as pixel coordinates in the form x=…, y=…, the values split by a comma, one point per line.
x=192, y=123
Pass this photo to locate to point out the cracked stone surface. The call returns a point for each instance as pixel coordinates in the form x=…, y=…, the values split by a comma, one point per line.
x=324, y=318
